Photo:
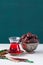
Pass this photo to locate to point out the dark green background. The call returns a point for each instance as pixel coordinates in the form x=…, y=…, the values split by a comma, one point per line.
x=18, y=17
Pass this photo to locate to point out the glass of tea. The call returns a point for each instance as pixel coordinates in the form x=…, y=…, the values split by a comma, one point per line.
x=14, y=44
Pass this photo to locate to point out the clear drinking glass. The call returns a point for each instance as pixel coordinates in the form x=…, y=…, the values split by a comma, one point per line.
x=14, y=44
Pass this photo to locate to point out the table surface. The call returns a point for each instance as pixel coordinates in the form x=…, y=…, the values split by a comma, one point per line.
x=37, y=56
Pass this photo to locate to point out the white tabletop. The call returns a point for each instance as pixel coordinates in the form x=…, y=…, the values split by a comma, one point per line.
x=37, y=57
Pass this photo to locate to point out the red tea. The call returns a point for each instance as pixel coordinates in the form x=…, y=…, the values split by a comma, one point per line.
x=14, y=47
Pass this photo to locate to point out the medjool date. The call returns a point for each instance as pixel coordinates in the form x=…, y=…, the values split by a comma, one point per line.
x=29, y=38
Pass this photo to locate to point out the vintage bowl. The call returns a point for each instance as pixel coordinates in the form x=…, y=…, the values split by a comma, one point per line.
x=29, y=46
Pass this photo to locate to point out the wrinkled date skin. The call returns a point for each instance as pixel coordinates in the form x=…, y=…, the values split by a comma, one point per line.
x=29, y=38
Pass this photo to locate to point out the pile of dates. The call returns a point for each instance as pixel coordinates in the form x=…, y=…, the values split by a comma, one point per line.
x=29, y=38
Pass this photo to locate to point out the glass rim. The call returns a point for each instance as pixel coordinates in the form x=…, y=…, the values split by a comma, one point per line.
x=13, y=39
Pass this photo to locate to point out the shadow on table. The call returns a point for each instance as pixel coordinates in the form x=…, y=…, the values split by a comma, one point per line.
x=39, y=52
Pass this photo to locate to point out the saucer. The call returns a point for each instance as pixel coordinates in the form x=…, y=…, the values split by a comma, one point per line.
x=17, y=53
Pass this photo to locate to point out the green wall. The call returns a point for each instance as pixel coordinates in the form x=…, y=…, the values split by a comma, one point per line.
x=20, y=16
